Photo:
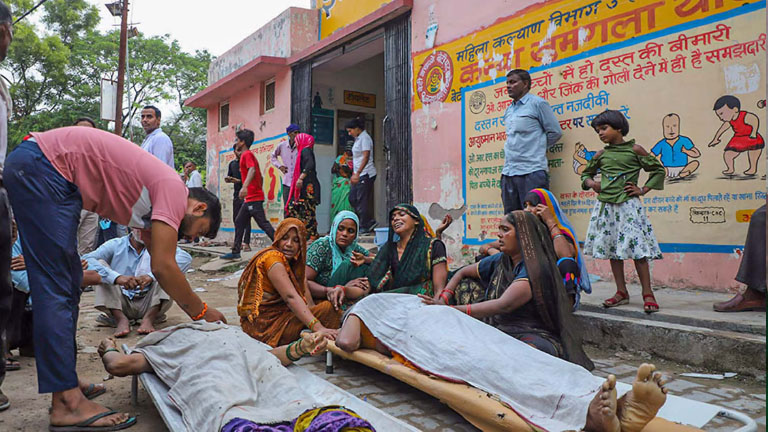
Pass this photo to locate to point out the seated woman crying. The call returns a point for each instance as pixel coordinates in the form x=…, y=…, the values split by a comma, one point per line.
x=336, y=265
x=275, y=303
x=520, y=290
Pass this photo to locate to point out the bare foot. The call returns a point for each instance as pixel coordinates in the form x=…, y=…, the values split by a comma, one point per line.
x=727, y=173
x=145, y=328
x=71, y=407
x=601, y=416
x=123, y=329
x=640, y=405
x=751, y=172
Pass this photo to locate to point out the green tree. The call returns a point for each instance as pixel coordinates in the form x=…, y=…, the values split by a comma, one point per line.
x=55, y=76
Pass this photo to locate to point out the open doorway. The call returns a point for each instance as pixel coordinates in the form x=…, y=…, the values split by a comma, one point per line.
x=346, y=84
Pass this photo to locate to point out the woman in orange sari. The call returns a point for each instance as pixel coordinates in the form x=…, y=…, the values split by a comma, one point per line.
x=275, y=304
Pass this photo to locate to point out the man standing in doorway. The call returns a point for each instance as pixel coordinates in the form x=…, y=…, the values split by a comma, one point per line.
x=288, y=152
x=235, y=177
x=6, y=243
x=364, y=174
x=253, y=193
x=531, y=128
x=194, y=179
x=156, y=142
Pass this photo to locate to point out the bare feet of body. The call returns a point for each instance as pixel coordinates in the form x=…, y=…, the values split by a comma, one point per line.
x=640, y=405
x=601, y=416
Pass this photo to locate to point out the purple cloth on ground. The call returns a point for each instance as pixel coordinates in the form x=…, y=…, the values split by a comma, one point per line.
x=328, y=421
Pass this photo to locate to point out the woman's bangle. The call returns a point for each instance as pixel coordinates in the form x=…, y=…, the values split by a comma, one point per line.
x=312, y=323
x=299, y=350
x=202, y=313
x=558, y=235
x=288, y=352
x=469, y=309
x=343, y=289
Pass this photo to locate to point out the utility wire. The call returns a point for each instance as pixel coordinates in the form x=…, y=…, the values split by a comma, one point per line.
x=29, y=11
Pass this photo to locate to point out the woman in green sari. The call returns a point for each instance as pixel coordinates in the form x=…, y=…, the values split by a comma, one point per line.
x=341, y=171
x=337, y=265
x=414, y=264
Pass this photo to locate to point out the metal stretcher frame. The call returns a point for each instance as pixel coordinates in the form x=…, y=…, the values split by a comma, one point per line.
x=171, y=415
x=485, y=411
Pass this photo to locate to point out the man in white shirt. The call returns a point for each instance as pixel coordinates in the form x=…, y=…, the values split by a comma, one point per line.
x=364, y=174
x=156, y=142
x=194, y=179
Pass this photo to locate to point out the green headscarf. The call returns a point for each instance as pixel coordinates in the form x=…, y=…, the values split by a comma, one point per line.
x=340, y=256
x=414, y=269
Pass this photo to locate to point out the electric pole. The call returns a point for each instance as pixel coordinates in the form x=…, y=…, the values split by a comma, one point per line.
x=121, y=68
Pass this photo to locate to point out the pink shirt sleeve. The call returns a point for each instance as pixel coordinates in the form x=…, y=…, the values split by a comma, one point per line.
x=169, y=202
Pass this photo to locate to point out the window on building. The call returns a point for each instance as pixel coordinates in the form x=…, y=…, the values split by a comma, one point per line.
x=269, y=95
x=223, y=115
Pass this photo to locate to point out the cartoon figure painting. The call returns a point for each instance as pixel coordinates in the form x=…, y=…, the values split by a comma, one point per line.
x=581, y=157
x=674, y=150
x=745, y=135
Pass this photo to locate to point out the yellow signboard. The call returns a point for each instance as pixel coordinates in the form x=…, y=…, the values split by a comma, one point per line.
x=666, y=84
x=367, y=100
x=336, y=14
x=548, y=35
x=272, y=182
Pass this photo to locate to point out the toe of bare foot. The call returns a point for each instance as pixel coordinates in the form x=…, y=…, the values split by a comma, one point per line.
x=601, y=416
x=121, y=333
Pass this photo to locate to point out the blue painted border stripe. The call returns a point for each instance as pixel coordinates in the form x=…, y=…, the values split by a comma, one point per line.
x=665, y=247
x=218, y=192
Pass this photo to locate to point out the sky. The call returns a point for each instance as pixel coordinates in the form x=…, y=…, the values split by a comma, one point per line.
x=196, y=24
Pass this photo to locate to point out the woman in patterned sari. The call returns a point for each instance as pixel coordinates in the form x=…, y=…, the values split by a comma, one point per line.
x=304, y=197
x=520, y=291
x=274, y=302
x=416, y=263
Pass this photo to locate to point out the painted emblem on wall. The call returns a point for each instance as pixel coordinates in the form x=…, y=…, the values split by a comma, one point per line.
x=435, y=78
x=477, y=102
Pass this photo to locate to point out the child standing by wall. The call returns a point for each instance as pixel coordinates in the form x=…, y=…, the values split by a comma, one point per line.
x=619, y=228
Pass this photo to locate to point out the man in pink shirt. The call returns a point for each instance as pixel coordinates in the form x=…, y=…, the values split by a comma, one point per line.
x=50, y=177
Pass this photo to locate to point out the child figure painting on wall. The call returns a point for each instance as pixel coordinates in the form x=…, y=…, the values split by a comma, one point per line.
x=746, y=137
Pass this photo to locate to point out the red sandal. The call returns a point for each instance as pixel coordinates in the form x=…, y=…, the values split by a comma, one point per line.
x=618, y=299
x=650, y=306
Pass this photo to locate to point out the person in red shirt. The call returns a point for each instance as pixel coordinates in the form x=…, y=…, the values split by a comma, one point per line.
x=253, y=193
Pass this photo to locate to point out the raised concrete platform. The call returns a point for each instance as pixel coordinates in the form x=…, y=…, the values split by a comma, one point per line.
x=685, y=330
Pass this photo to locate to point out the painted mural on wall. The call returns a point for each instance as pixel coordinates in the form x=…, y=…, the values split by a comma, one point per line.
x=549, y=34
x=336, y=14
x=694, y=94
x=273, y=180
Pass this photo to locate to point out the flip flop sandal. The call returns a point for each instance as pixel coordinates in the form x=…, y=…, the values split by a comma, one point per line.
x=618, y=299
x=85, y=425
x=92, y=392
x=11, y=364
x=650, y=306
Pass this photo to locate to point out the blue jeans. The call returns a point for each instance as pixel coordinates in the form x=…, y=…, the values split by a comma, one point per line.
x=515, y=188
x=47, y=210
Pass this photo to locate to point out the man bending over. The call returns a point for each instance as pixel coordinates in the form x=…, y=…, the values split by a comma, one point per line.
x=50, y=177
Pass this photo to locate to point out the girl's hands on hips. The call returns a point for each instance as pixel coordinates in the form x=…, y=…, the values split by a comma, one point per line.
x=633, y=190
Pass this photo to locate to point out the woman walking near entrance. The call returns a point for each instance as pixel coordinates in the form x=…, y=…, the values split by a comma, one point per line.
x=305, y=191
x=364, y=173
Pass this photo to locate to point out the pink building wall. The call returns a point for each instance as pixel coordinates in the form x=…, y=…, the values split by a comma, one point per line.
x=437, y=161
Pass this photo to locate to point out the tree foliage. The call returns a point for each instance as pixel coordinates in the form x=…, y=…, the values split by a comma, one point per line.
x=57, y=61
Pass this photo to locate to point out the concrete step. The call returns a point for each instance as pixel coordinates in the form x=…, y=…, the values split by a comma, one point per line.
x=686, y=329
x=704, y=349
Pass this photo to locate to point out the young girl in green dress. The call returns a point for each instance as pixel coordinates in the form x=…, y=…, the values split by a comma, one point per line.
x=619, y=229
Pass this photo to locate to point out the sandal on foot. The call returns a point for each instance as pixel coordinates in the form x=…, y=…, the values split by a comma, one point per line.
x=85, y=425
x=618, y=299
x=92, y=392
x=11, y=364
x=650, y=306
